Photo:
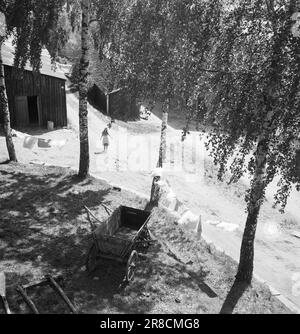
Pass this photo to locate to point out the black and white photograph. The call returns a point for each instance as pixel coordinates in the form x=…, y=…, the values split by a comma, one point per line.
x=149, y=160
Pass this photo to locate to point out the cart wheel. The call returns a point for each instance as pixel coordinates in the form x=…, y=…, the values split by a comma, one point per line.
x=145, y=239
x=148, y=236
x=131, y=265
x=91, y=261
x=145, y=235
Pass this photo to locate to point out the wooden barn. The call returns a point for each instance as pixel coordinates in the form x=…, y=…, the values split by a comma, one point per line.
x=34, y=99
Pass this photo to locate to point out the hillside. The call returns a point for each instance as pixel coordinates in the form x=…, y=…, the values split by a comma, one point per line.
x=129, y=162
x=44, y=229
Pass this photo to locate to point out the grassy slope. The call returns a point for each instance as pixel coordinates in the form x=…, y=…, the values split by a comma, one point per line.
x=276, y=256
x=43, y=229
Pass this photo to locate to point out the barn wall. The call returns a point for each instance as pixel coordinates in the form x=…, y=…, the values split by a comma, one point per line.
x=53, y=101
x=49, y=89
x=122, y=106
x=97, y=98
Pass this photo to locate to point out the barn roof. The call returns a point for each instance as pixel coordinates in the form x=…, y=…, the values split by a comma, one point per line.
x=47, y=68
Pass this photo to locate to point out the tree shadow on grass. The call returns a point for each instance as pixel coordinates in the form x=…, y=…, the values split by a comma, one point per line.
x=156, y=279
x=44, y=229
x=233, y=297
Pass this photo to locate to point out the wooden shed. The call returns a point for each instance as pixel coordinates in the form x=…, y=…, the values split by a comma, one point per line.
x=117, y=104
x=34, y=99
x=97, y=97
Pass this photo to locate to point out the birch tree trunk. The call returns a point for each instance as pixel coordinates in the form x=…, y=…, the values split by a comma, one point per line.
x=257, y=192
x=163, y=137
x=154, y=197
x=259, y=182
x=5, y=111
x=84, y=163
x=245, y=269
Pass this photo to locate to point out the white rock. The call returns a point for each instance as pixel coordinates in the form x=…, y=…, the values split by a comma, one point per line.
x=213, y=222
x=272, y=230
x=161, y=183
x=157, y=172
x=58, y=143
x=168, y=199
x=296, y=234
x=191, y=222
x=228, y=226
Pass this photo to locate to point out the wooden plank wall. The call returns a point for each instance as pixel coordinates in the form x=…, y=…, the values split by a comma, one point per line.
x=97, y=99
x=123, y=106
x=51, y=91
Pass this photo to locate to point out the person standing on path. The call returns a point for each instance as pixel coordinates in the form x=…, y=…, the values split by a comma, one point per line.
x=105, y=139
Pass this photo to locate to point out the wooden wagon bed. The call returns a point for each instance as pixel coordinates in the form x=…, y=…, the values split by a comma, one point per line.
x=117, y=237
x=125, y=233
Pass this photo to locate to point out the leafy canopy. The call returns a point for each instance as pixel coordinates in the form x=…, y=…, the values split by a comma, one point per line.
x=258, y=69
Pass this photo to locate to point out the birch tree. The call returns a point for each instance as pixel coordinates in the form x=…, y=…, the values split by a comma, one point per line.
x=253, y=86
x=3, y=97
x=83, y=91
x=31, y=23
x=34, y=24
x=94, y=11
x=147, y=34
x=147, y=53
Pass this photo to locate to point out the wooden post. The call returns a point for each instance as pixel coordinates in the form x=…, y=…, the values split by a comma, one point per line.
x=27, y=300
x=60, y=292
x=84, y=163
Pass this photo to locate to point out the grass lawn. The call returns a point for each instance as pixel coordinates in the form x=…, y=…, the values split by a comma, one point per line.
x=44, y=229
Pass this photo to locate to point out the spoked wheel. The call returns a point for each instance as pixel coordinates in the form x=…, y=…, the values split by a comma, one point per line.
x=146, y=235
x=145, y=239
x=131, y=265
x=91, y=261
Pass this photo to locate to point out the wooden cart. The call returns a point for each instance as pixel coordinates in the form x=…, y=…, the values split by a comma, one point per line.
x=118, y=237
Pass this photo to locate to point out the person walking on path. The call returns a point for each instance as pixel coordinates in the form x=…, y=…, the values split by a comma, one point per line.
x=105, y=139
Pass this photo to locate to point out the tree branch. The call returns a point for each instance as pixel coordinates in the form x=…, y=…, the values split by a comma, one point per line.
x=272, y=13
x=3, y=6
x=226, y=72
x=93, y=20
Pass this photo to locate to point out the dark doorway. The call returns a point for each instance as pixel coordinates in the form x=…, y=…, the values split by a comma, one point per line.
x=33, y=110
